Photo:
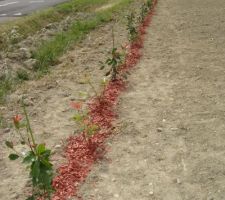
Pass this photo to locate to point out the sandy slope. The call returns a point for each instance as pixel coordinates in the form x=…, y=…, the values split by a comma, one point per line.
x=172, y=141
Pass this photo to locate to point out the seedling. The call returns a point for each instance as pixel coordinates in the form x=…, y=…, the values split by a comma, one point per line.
x=89, y=82
x=144, y=12
x=149, y=4
x=114, y=61
x=94, y=94
x=37, y=157
x=83, y=120
x=131, y=27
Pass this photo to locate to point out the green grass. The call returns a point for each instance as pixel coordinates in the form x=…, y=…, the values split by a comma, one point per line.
x=31, y=24
x=48, y=52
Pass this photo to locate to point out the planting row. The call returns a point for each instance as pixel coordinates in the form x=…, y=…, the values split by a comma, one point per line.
x=94, y=119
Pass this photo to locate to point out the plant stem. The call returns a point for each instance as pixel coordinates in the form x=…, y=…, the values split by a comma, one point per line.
x=29, y=144
x=28, y=124
x=93, y=88
x=113, y=37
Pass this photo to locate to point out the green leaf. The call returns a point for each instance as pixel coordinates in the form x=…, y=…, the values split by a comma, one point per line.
x=83, y=94
x=108, y=61
x=92, y=129
x=46, y=163
x=46, y=154
x=9, y=144
x=102, y=67
x=78, y=117
x=22, y=125
x=13, y=156
x=40, y=149
x=114, y=50
x=35, y=169
x=108, y=73
x=46, y=176
x=22, y=142
x=30, y=157
x=114, y=62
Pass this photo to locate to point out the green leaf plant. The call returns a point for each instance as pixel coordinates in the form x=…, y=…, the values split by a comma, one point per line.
x=149, y=4
x=143, y=12
x=145, y=7
x=131, y=27
x=83, y=120
x=114, y=61
x=37, y=157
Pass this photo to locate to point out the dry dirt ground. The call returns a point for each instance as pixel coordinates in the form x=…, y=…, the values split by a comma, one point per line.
x=172, y=140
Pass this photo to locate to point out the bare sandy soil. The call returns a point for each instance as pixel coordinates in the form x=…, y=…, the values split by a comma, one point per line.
x=172, y=118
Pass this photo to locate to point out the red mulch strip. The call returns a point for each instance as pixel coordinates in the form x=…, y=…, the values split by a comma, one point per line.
x=82, y=154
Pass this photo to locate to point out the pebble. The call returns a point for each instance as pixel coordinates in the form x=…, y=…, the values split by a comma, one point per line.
x=58, y=146
x=116, y=195
x=159, y=129
x=178, y=181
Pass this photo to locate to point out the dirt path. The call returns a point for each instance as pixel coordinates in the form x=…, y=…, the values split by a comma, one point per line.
x=172, y=143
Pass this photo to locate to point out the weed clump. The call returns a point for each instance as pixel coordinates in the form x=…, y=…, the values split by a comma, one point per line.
x=22, y=75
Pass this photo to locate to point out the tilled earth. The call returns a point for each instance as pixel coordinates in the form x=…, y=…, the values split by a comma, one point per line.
x=172, y=140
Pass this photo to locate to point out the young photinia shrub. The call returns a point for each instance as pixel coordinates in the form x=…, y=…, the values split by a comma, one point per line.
x=145, y=7
x=36, y=157
x=94, y=94
x=149, y=4
x=131, y=27
x=143, y=13
x=114, y=61
x=83, y=120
